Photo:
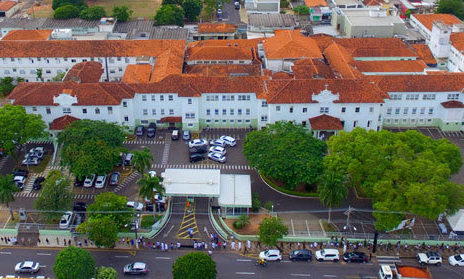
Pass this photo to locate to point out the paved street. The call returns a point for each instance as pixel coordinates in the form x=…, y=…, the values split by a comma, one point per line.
x=231, y=15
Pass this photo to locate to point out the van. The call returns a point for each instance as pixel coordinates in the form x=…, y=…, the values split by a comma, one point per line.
x=175, y=135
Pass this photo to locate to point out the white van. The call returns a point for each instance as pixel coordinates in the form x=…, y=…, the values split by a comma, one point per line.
x=175, y=135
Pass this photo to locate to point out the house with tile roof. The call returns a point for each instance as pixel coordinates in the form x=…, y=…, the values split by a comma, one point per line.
x=8, y=8
x=456, y=53
x=424, y=22
x=214, y=31
x=28, y=35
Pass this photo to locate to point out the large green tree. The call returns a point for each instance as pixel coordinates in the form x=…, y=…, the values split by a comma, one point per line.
x=7, y=84
x=331, y=189
x=192, y=9
x=170, y=14
x=122, y=13
x=104, y=272
x=91, y=146
x=149, y=185
x=59, y=3
x=92, y=13
x=286, y=152
x=55, y=196
x=193, y=266
x=65, y=12
x=455, y=7
x=74, y=263
x=103, y=231
x=142, y=159
x=401, y=172
x=110, y=205
x=7, y=190
x=270, y=230
x=17, y=127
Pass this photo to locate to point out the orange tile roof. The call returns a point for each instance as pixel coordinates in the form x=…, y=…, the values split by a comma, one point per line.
x=215, y=70
x=27, y=35
x=311, y=68
x=420, y=83
x=288, y=44
x=216, y=28
x=62, y=122
x=339, y=61
x=97, y=48
x=428, y=19
x=325, y=122
x=219, y=53
x=281, y=75
x=399, y=66
x=85, y=72
x=168, y=63
x=424, y=53
x=171, y=119
x=452, y=104
x=137, y=73
x=301, y=91
x=316, y=3
x=377, y=47
x=373, y=2
x=7, y=5
x=457, y=41
x=322, y=40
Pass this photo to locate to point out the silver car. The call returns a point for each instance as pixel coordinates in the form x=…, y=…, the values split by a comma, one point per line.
x=27, y=267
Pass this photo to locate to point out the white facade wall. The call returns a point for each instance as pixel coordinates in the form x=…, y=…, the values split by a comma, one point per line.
x=279, y=64
x=439, y=43
x=149, y=107
x=421, y=28
x=456, y=60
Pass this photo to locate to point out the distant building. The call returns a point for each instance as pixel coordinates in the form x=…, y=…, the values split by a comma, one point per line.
x=264, y=25
x=214, y=31
x=28, y=35
x=347, y=4
x=262, y=6
x=8, y=8
x=424, y=22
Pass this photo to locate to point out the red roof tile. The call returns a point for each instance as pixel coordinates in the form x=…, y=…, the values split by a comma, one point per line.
x=62, y=122
x=282, y=75
x=224, y=70
x=424, y=53
x=428, y=19
x=137, y=73
x=288, y=44
x=216, y=28
x=452, y=104
x=85, y=72
x=7, y=5
x=219, y=53
x=457, y=40
x=316, y=3
x=377, y=47
x=420, y=83
x=311, y=68
x=27, y=35
x=399, y=66
x=339, y=61
x=171, y=119
x=325, y=122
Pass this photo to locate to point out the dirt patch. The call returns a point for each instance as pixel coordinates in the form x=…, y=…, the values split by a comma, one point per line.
x=142, y=8
x=252, y=228
x=44, y=10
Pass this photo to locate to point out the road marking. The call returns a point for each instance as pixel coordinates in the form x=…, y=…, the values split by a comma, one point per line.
x=121, y=256
x=5, y=253
x=301, y=275
x=244, y=273
x=286, y=261
x=243, y=260
x=167, y=233
x=42, y=266
x=163, y=258
x=330, y=276
x=43, y=254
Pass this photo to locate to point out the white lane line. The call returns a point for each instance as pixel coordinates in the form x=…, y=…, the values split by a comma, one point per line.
x=5, y=253
x=243, y=260
x=43, y=254
x=330, y=276
x=42, y=266
x=301, y=275
x=163, y=258
x=244, y=273
x=121, y=256
x=286, y=261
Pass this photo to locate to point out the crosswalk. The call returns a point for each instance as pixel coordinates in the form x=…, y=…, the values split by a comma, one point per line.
x=166, y=149
x=35, y=194
x=456, y=134
x=147, y=142
x=202, y=166
x=40, y=141
x=128, y=180
x=3, y=161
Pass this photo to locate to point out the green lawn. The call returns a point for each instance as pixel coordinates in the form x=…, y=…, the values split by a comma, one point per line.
x=141, y=8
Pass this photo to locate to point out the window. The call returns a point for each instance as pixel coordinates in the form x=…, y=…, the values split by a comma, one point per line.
x=291, y=110
x=242, y=97
x=208, y=112
x=84, y=111
x=396, y=96
x=228, y=97
x=239, y=111
x=190, y=115
x=453, y=96
x=263, y=104
x=224, y=121
x=231, y=111
x=126, y=118
x=224, y=112
x=144, y=98
x=216, y=120
x=428, y=97
x=405, y=110
x=397, y=110
x=162, y=111
x=97, y=111
x=430, y=110
x=153, y=97
x=371, y=109
x=212, y=98
x=112, y=71
x=324, y=110
x=247, y=120
x=110, y=110
x=189, y=101
x=111, y=60
x=145, y=111
x=389, y=110
x=33, y=72
x=369, y=123
x=356, y=109
x=7, y=72
x=264, y=118
x=34, y=108
x=343, y=109
x=119, y=58
x=422, y=111
x=412, y=97
x=153, y=111
x=72, y=60
x=66, y=110
x=216, y=112
x=161, y=97
x=247, y=112
x=171, y=112
x=170, y=97
x=124, y=104
x=239, y=120
x=48, y=110
x=22, y=72
x=208, y=120
x=414, y=110
x=126, y=60
x=305, y=110
x=355, y=123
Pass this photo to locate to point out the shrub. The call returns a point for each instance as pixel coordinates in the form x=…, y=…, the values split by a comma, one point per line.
x=65, y=12
x=255, y=203
x=269, y=205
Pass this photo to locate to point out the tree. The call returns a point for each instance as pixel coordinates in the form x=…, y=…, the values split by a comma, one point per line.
x=174, y=2
x=301, y=10
x=192, y=9
x=170, y=14
x=284, y=4
x=194, y=265
x=7, y=84
x=455, y=7
x=242, y=221
x=58, y=77
x=104, y=272
x=408, y=13
x=210, y=7
x=122, y=13
x=7, y=190
x=101, y=230
x=111, y=203
x=142, y=159
x=74, y=263
x=55, y=195
x=92, y=13
x=286, y=152
x=270, y=230
x=39, y=74
x=149, y=185
x=18, y=127
x=65, y=12
x=90, y=146
x=331, y=190
x=59, y=3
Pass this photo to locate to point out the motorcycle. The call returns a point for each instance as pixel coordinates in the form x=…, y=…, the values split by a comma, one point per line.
x=261, y=262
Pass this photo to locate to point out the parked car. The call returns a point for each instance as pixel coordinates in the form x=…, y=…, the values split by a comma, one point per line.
x=89, y=180
x=136, y=268
x=357, y=257
x=196, y=157
x=38, y=183
x=19, y=181
x=217, y=142
x=456, y=260
x=230, y=141
x=80, y=207
x=100, y=182
x=139, y=131
x=65, y=220
x=270, y=255
x=27, y=267
x=122, y=158
x=237, y=5
x=20, y=172
x=198, y=149
x=301, y=255
x=135, y=205
x=128, y=159
x=197, y=142
x=218, y=149
x=32, y=161
x=327, y=255
x=217, y=157
x=186, y=135
x=79, y=182
x=78, y=219
x=151, y=131
x=429, y=258
x=175, y=135
x=114, y=178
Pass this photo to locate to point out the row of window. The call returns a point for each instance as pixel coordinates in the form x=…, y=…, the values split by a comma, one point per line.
x=73, y=60
x=162, y=112
x=405, y=120
x=225, y=121
x=428, y=96
x=228, y=97
x=218, y=62
x=231, y=111
x=326, y=109
x=407, y=110
x=161, y=98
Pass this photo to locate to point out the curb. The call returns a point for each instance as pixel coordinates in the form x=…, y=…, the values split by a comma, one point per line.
x=282, y=193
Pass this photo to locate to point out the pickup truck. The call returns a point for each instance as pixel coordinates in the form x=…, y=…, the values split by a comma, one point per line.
x=403, y=272
x=429, y=258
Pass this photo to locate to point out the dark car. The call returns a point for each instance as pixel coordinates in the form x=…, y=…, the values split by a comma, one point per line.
x=114, y=179
x=151, y=132
x=358, y=257
x=198, y=149
x=38, y=183
x=20, y=172
x=301, y=255
x=196, y=157
x=79, y=182
x=122, y=158
x=139, y=130
x=80, y=207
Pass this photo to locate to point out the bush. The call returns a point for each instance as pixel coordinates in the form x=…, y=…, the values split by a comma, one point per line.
x=284, y=4
x=194, y=265
x=65, y=12
x=122, y=13
x=255, y=203
x=301, y=10
x=169, y=15
x=93, y=13
x=60, y=3
x=238, y=224
x=243, y=220
x=269, y=205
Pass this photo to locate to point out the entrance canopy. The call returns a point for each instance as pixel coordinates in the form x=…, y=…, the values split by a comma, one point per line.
x=457, y=221
x=235, y=191
x=192, y=182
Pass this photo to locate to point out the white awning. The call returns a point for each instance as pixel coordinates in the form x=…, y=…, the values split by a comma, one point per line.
x=457, y=221
x=192, y=182
x=235, y=191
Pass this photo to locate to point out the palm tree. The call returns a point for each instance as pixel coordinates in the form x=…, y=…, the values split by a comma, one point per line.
x=331, y=190
x=7, y=190
x=142, y=159
x=149, y=185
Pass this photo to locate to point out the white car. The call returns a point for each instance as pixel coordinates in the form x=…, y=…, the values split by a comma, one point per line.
x=429, y=258
x=327, y=255
x=218, y=149
x=65, y=220
x=456, y=260
x=197, y=142
x=135, y=205
x=152, y=173
x=271, y=255
x=89, y=181
x=230, y=141
x=218, y=142
x=19, y=180
x=27, y=267
x=217, y=157
x=100, y=183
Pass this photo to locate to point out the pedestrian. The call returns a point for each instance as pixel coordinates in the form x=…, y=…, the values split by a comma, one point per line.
x=57, y=242
x=132, y=242
x=211, y=237
x=69, y=242
x=162, y=247
x=80, y=243
x=224, y=244
x=123, y=240
x=298, y=244
x=178, y=245
x=240, y=246
x=205, y=246
x=38, y=239
x=86, y=243
x=195, y=245
x=127, y=241
x=172, y=246
x=166, y=247
x=219, y=244
x=1, y=238
x=232, y=245
x=149, y=245
x=46, y=240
